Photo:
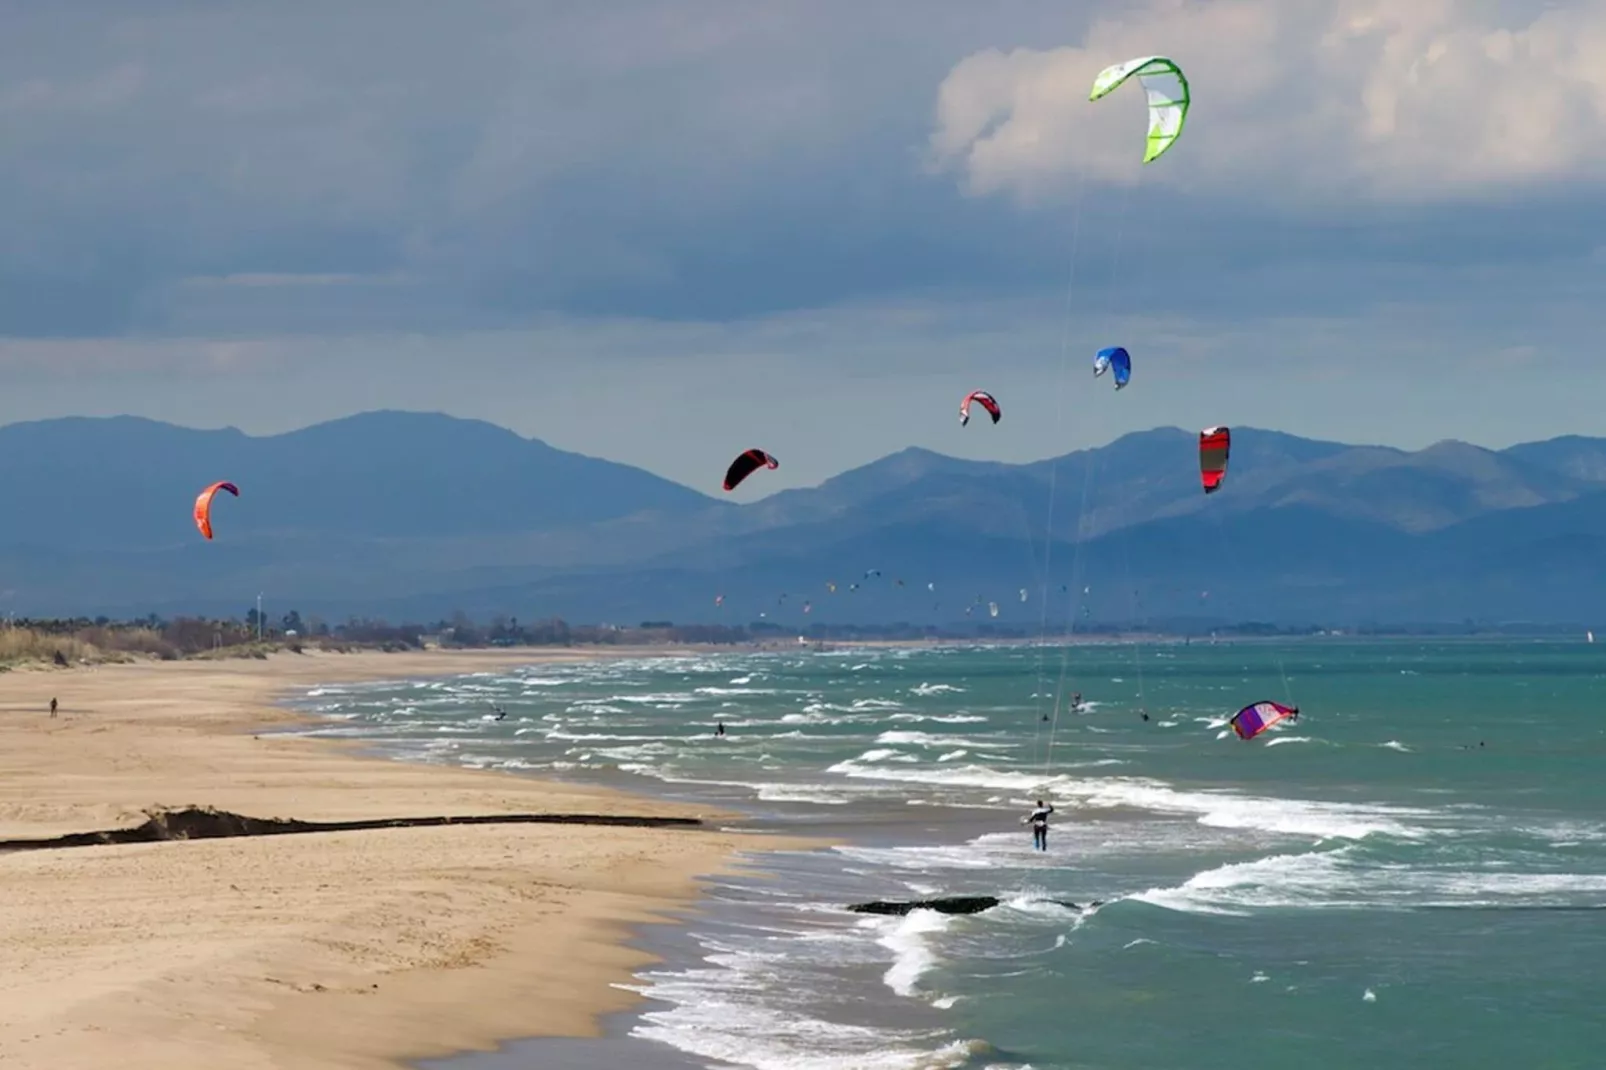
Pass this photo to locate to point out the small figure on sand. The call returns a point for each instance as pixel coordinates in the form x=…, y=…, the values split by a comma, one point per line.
x=52, y=707
x=719, y=729
x=1038, y=819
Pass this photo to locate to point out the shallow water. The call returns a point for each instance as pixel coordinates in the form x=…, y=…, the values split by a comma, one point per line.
x=1409, y=876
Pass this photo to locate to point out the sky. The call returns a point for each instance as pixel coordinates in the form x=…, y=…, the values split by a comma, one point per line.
x=663, y=231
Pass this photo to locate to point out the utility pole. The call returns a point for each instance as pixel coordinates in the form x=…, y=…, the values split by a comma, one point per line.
x=259, y=616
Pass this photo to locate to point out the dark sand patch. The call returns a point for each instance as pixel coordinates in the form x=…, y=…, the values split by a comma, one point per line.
x=205, y=823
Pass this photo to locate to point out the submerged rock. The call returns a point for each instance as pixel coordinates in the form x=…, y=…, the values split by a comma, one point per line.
x=951, y=904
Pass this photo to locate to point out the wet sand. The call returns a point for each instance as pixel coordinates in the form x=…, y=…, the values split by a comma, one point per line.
x=354, y=949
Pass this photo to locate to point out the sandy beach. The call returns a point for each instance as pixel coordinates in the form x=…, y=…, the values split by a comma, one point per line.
x=339, y=949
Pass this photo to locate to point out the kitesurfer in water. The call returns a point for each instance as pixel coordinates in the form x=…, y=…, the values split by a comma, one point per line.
x=1039, y=822
x=719, y=729
x=1076, y=702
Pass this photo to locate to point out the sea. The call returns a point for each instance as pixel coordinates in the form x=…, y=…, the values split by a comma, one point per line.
x=1412, y=874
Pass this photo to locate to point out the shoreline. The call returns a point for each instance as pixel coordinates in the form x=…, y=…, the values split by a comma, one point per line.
x=343, y=949
x=782, y=984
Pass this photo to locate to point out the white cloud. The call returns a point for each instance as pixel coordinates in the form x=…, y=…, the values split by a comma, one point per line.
x=1390, y=100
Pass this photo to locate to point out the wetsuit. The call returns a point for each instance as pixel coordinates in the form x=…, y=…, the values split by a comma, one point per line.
x=1039, y=820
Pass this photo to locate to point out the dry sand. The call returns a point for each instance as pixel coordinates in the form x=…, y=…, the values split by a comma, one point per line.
x=343, y=949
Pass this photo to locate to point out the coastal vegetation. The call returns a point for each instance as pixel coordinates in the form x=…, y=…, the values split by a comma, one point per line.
x=79, y=640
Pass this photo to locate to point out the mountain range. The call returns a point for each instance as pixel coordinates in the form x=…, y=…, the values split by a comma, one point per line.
x=418, y=515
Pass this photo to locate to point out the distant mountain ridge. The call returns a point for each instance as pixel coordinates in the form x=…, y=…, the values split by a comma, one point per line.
x=421, y=513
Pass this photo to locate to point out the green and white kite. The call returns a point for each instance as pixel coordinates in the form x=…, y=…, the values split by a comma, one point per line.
x=1167, y=88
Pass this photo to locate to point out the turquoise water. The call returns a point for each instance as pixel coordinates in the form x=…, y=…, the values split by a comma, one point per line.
x=1411, y=875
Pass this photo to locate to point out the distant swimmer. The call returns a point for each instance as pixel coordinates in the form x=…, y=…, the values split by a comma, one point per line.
x=720, y=729
x=1145, y=717
x=1038, y=819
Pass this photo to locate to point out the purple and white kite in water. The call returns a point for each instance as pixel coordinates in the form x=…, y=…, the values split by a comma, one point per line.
x=1255, y=718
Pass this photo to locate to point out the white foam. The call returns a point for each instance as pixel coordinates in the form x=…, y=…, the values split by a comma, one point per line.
x=803, y=793
x=902, y=737
x=1223, y=809
x=936, y=689
x=1343, y=879
x=665, y=698
x=909, y=941
x=720, y=1012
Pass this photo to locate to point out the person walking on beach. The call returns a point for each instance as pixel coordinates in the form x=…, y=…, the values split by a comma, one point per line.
x=1039, y=822
x=52, y=707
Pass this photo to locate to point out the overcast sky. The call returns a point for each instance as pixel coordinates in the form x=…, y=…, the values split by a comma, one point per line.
x=662, y=231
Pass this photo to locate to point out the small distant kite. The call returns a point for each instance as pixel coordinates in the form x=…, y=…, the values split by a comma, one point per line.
x=203, y=505
x=745, y=464
x=986, y=401
x=1214, y=445
x=1116, y=359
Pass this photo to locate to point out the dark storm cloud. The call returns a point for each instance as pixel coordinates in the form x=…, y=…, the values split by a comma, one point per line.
x=480, y=163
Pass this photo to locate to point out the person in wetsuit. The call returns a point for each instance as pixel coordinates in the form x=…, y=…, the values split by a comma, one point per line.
x=720, y=729
x=1039, y=822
